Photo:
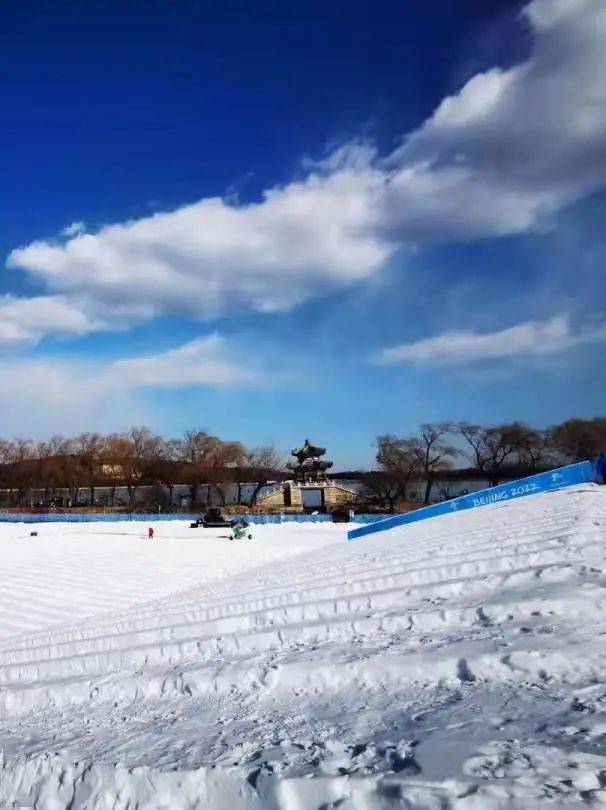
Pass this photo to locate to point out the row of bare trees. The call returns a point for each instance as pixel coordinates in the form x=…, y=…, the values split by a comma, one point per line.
x=495, y=451
x=133, y=459
x=205, y=464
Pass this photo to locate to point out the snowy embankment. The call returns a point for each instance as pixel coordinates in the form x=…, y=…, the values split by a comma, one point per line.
x=456, y=663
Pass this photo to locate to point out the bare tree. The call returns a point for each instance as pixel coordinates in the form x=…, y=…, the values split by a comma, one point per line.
x=381, y=488
x=262, y=465
x=400, y=466
x=433, y=453
x=539, y=450
x=165, y=468
x=89, y=448
x=581, y=439
x=144, y=442
x=145, y=448
x=122, y=464
x=495, y=447
x=208, y=461
x=61, y=466
x=6, y=455
x=115, y=449
x=222, y=460
x=192, y=450
x=22, y=470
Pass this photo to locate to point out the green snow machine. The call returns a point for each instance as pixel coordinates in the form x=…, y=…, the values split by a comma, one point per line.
x=239, y=531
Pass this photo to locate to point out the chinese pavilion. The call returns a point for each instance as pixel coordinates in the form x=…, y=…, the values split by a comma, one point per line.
x=310, y=467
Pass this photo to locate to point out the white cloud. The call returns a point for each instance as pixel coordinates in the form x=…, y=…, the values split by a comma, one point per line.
x=42, y=396
x=358, y=155
x=74, y=229
x=201, y=362
x=512, y=147
x=210, y=257
x=500, y=157
x=532, y=338
x=26, y=320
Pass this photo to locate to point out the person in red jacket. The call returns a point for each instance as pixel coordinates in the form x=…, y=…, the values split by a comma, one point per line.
x=150, y=533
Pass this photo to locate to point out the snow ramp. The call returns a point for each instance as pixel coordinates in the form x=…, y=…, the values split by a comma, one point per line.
x=570, y=475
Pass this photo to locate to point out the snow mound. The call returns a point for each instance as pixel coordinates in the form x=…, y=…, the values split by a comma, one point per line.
x=455, y=663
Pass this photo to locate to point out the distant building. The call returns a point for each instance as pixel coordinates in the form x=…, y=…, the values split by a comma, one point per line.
x=309, y=490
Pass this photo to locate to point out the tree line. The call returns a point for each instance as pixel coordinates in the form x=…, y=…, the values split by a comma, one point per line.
x=138, y=457
x=494, y=451
x=208, y=465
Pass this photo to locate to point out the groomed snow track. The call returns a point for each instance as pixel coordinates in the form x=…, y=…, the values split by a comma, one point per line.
x=456, y=663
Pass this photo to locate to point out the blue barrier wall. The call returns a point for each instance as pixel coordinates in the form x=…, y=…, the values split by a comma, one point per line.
x=53, y=517
x=581, y=473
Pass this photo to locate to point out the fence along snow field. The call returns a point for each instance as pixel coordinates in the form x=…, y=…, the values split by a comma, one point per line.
x=573, y=474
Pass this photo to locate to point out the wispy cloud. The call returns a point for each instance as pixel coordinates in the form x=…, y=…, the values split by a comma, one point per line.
x=201, y=362
x=44, y=395
x=499, y=157
x=74, y=229
x=25, y=320
x=530, y=339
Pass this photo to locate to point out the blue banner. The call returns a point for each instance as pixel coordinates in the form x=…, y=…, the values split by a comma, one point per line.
x=581, y=473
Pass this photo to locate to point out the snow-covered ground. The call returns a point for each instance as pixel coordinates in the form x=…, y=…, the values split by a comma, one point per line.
x=72, y=571
x=457, y=663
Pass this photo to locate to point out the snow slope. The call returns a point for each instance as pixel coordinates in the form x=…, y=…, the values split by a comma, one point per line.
x=71, y=571
x=456, y=663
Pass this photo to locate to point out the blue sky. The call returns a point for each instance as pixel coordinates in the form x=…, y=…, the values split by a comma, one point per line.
x=278, y=220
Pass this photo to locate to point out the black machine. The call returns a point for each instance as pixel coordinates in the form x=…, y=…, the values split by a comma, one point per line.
x=340, y=515
x=213, y=519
